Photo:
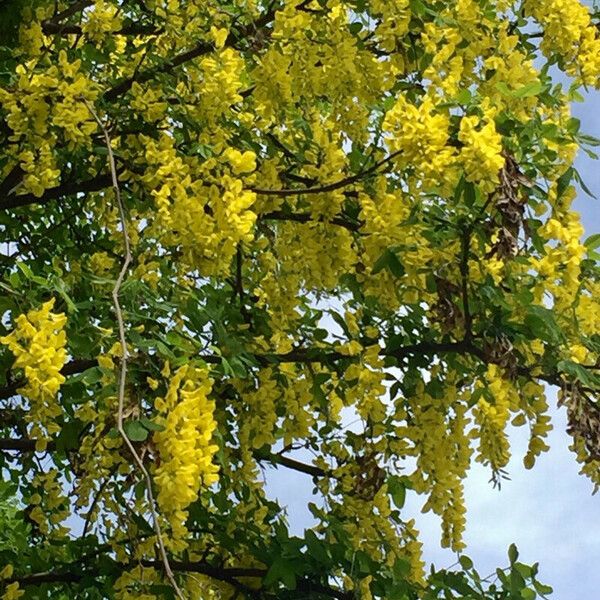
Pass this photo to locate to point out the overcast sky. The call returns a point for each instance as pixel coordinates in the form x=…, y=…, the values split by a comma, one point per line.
x=549, y=512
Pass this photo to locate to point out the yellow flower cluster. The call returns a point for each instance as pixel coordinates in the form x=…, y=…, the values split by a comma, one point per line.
x=217, y=87
x=420, y=133
x=38, y=343
x=368, y=389
x=12, y=591
x=568, y=31
x=434, y=433
x=385, y=215
x=259, y=425
x=43, y=106
x=292, y=68
x=313, y=256
x=185, y=446
x=562, y=261
x=392, y=25
x=491, y=418
x=587, y=309
x=540, y=421
x=50, y=505
x=135, y=584
x=101, y=19
x=297, y=398
x=208, y=222
x=481, y=154
x=147, y=101
x=369, y=528
x=447, y=69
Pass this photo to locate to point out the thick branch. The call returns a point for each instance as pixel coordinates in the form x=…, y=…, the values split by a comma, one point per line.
x=23, y=445
x=13, y=177
x=300, y=355
x=76, y=574
x=70, y=188
x=28, y=445
x=228, y=575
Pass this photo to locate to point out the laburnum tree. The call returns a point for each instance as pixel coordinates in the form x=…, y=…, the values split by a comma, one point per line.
x=252, y=237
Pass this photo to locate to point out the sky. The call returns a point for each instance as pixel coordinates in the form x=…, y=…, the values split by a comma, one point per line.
x=548, y=512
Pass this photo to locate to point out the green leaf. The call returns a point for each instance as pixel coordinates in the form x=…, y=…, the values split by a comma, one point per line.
x=513, y=553
x=316, y=548
x=388, y=260
x=151, y=425
x=397, y=490
x=541, y=588
x=563, y=182
x=92, y=375
x=582, y=184
x=281, y=570
x=419, y=8
x=465, y=562
x=68, y=438
x=541, y=323
x=464, y=97
x=588, y=140
x=573, y=126
x=458, y=582
x=113, y=433
x=135, y=431
x=592, y=242
x=578, y=372
x=524, y=570
x=531, y=89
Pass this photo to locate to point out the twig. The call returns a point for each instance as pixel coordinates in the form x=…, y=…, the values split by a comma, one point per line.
x=88, y=518
x=123, y=373
x=71, y=10
x=51, y=28
x=201, y=49
x=329, y=187
x=464, y=275
x=279, y=215
x=239, y=285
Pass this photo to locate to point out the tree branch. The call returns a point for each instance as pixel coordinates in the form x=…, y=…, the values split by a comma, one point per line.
x=71, y=10
x=464, y=273
x=328, y=187
x=28, y=445
x=69, y=188
x=290, y=463
x=71, y=368
x=54, y=28
x=228, y=575
x=200, y=49
x=279, y=215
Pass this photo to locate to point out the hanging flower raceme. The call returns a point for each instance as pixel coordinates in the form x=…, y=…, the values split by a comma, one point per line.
x=184, y=445
x=38, y=343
